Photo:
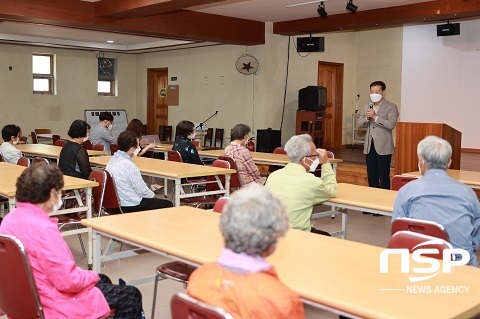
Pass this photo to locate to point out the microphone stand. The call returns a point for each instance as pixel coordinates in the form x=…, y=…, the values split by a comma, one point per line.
x=200, y=125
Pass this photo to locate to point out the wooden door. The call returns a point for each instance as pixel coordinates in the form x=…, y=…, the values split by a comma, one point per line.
x=330, y=75
x=157, y=99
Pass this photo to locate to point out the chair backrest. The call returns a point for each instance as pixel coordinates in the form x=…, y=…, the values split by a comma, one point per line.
x=196, y=143
x=174, y=156
x=184, y=306
x=23, y=161
x=1, y=158
x=330, y=154
x=212, y=185
x=24, y=139
x=165, y=132
x=219, y=136
x=34, y=138
x=60, y=142
x=220, y=203
x=279, y=150
x=113, y=148
x=99, y=176
x=425, y=227
x=43, y=131
x=208, y=136
x=399, y=180
x=234, y=179
x=111, y=202
x=99, y=147
x=18, y=293
x=411, y=241
x=88, y=145
x=55, y=137
x=40, y=160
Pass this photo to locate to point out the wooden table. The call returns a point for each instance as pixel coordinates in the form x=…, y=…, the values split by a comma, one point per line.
x=360, y=198
x=48, y=151
x=338, y=275
x=176, y=171
x=9, y=175
x=263, y=158
x=469, y=178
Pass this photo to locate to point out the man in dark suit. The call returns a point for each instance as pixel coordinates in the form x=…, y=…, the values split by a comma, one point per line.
x=379, y=117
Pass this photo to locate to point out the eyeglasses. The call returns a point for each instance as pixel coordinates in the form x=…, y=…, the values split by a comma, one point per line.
x=313, y=155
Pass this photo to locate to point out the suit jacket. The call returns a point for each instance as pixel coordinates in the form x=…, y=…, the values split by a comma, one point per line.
x=380, y=130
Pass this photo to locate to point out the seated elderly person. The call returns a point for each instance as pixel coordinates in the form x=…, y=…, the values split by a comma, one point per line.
x=65, y=290
x=298, y=188
x=241, y=281
x=73, y=159
x=183, y=144
x=133, y=192
x=246, y=168
x=11, y=136
x=441, y=199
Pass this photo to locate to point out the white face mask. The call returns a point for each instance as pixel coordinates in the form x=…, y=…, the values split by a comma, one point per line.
x=376, y=97
x=16, y=142
x=136, y=151
x=110, y=127
x=314, y=165
x=60, y=203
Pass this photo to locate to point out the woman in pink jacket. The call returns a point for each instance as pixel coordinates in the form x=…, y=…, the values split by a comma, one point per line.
x=65, y=290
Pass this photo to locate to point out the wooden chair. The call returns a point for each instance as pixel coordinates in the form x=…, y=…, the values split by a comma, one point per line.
x=55, y=137
x=219, y=137
x=277, y=150
x=184, y=306
x=410, y=240
x=24, y=140
x=34, y=138
x=99, y=147
x=398, y=181
x=60, y=142
x=43, y=131
x=18, y=293
x=1, y=158
x=37, y=160
x=208, y=136
x=234, y=179
x=98, y=193
x=113, y=148
x=220, y=203
x=165, y=132
x=330, y=155
x=23, y=161
x=88, y=145
x=425, y=227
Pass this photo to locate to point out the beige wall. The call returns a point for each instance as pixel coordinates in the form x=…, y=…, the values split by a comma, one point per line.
x=76, y=75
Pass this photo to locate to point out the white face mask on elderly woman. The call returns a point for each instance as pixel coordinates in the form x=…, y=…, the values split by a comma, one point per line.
x=313, y=166
x=60, y=203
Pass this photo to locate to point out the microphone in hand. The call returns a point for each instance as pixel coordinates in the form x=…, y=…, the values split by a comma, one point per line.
x=369, y=111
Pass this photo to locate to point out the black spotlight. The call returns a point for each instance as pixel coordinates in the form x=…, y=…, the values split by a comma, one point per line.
x=351, y=7
x=321, y=10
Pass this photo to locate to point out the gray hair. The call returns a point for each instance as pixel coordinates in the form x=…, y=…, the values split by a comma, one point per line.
x=297, y=147
x=239, y=131
x=435, y=152
x=252, y=220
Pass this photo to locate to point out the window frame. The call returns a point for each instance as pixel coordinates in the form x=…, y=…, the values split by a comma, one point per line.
x=112, y=88
x=50, y=77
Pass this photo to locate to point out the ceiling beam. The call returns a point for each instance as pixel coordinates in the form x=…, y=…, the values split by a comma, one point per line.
x=181, y=25
x=393, y=16
x=125, y=9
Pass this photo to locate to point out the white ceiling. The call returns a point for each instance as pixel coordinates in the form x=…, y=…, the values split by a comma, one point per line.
x=260, y=10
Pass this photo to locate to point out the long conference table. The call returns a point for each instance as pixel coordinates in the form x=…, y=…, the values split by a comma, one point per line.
x=263, y=158
x=330, y=273
x=359, y=198
x=48, y=151
x=176, y=171
x=469, y=178
x=9, y=175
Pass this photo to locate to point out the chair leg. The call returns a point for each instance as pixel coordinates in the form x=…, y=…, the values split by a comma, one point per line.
x=82, y=245
x=157, y=279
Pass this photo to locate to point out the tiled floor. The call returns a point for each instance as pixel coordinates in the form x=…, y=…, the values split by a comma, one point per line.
x=363, y=228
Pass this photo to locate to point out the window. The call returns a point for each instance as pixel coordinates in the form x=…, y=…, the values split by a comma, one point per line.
x=43, y=69
x=106, y=76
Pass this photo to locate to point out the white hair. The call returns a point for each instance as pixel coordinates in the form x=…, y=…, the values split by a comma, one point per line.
x=435, y=152
x=297, y=147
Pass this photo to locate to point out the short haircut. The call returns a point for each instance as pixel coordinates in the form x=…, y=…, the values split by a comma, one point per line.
x=10, y=130
x=239, y=131
x=127, y=140
x=253, y=220
x=105, y=116
x=435, y=152
x=78, y=128
x=36, y=182
x=379, y=83
x=297, y=147
x=185, y=128
x=136, y=125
